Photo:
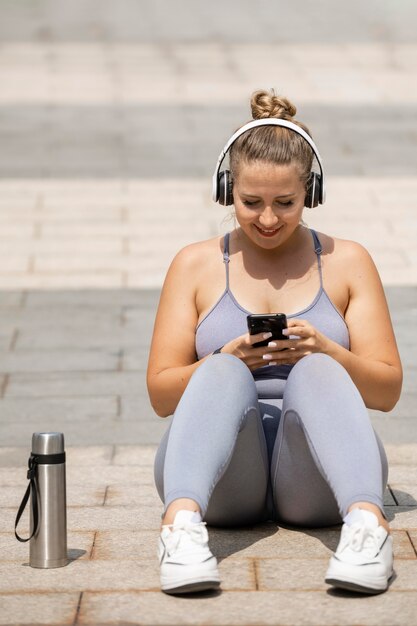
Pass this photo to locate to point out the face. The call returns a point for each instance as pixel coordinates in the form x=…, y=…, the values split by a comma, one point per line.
x=269, y=202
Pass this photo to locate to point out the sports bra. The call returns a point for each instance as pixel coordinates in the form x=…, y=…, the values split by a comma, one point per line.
x=226, y=320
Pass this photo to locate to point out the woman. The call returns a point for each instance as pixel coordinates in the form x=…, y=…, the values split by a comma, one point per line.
x=279, y=432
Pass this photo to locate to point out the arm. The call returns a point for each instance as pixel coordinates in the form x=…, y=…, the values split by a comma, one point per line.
x=373, y=361
x=172, y=358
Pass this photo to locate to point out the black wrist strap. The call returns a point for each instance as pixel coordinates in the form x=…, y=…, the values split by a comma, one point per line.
x=32, y=489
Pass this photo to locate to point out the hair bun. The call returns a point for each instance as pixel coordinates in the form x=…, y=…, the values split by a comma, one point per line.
x=266, y=104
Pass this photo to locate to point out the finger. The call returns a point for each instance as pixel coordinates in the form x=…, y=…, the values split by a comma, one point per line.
x=298, y=331
x=259, y=337
x=280, y=344
x=288, y=356
x=296, y=322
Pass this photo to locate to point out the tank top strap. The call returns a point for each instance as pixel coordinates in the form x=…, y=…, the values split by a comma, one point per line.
x=226, y=258
x=318, y=249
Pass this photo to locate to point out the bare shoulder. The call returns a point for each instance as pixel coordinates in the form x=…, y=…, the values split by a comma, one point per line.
x=350, y=258
x=348, y=272
x=194, y=259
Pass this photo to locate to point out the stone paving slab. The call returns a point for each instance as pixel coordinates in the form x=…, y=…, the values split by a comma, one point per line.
x=405, y=495
x=124, y=495
x=42, y=609
x=296, y=574
x=379, y=71
x=80, y=546
x=259, y=542
x=298, y=608
x=74, y=384
x=114, y=569
x=28, y=411
x=22, y=361
x=350, y=136
x=403, y=474
x=88, y=337
x=95, y=431
x=11, y=496
x=83, y=476
x=238, y=575
x=242, y=22
x=402, y=517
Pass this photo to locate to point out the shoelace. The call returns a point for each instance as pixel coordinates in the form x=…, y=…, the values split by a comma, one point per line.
x=358, y=538
x=193, y=531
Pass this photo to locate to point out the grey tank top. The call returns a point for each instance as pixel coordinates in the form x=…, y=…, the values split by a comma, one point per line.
x=226, y=320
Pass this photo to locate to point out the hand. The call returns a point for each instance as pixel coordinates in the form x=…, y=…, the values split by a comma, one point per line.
x=242, y=348
x=305, y=339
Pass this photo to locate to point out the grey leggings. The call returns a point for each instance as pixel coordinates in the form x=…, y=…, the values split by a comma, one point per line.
x=323, y=454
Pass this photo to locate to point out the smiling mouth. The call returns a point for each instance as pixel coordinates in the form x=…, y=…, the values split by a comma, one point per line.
x=267, y=232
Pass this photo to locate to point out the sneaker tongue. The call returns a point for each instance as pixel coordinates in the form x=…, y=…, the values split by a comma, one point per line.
x=187, y=517
x=362, y=516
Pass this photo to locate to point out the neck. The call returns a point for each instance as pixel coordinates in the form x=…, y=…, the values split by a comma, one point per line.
x=249, y=248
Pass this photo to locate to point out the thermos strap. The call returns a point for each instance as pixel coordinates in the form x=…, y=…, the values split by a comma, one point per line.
x=32, y=489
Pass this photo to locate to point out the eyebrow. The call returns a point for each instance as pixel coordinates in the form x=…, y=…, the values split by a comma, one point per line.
x=284, y=195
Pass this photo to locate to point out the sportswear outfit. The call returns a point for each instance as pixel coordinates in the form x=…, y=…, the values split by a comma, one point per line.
x=291, y=444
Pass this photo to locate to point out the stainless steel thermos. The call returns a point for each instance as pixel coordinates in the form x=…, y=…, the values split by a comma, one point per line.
x=48, y=510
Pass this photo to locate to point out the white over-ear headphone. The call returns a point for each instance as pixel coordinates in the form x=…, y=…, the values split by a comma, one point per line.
x=222, y=181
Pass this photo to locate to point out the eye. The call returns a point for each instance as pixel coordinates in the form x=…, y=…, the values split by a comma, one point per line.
x=249, y=203
x=289, y=203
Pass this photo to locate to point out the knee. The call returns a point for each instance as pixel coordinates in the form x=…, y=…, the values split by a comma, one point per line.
x=318, y=369
x=316, y=361
x=222, y=383
x=225, y=370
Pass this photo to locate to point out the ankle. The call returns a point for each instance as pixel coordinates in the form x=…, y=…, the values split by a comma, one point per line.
x=373, y=508
x=181, y=504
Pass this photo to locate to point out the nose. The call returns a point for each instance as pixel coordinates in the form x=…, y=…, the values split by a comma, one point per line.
x=267, y=218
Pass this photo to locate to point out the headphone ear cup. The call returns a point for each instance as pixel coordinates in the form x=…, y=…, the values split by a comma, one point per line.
x=225, y=188
x=313, y=194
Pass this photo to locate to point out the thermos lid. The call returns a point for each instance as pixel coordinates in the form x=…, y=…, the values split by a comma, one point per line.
x=47, y=443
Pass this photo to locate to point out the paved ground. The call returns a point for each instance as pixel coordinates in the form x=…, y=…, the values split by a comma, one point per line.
x=112, y=117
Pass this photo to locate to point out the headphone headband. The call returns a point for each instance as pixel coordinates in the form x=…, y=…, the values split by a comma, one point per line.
x=270, y=121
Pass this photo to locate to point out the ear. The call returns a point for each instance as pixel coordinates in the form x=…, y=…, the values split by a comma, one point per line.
x=313, y=190
x=225, y=188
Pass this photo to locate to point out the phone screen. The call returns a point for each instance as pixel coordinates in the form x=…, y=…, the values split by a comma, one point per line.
x=269, y=323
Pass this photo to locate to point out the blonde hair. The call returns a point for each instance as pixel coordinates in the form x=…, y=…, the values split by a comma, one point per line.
x=272, y=144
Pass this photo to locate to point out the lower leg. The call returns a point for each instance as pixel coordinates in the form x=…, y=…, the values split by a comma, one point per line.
x=180, y=504
x=321, y=397
x=373, y=508
x=210, y=418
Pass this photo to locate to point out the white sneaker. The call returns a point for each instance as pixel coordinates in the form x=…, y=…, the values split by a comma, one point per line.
x=187, y=565
x=363, y=560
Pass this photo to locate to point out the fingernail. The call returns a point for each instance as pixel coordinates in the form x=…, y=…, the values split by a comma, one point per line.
x=267, y=357
x=272, y=363
x=272, y=344
x=285, y=331
x=267, y=335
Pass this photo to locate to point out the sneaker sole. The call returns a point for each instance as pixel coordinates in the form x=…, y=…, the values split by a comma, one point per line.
x=352, y=585
x=191, y=586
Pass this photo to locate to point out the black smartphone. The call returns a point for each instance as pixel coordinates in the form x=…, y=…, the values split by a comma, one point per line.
x=267, y=323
